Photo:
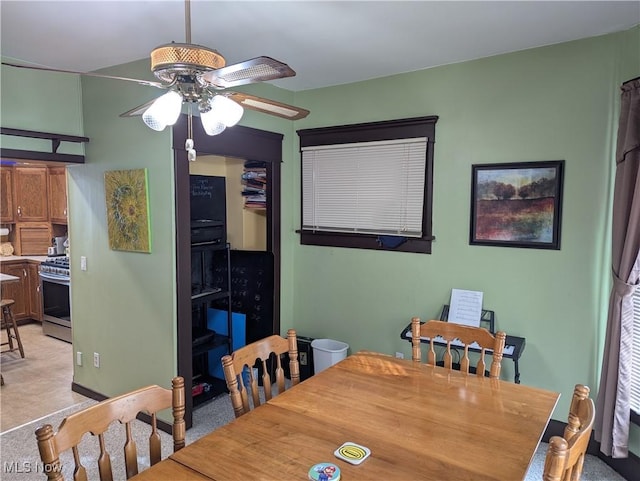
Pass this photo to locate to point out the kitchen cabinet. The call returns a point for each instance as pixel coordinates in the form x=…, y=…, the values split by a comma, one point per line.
x=35, y=292
x=26, y=291
x=210, y=286
x=30, y=186
x=32, y=238
x=17, y=290
x=57, y=181
x=6, y=195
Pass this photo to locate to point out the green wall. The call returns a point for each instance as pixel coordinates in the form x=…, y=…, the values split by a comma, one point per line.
x=557, y=102
x=30, y=102
x=123, y=306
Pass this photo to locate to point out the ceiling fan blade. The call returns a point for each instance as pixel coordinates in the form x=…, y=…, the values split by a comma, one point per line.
x=257, y=69
x=88, y=74
x=267, y=106
x=139, y=110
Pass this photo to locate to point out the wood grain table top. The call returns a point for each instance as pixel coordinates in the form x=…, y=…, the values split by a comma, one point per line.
x=169, y=469
x=419, y=421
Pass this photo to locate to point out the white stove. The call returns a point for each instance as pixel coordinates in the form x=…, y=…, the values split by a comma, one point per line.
x=58, y=265
x=56, y=281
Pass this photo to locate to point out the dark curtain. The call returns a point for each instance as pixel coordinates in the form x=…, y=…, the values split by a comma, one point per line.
x=612, y=408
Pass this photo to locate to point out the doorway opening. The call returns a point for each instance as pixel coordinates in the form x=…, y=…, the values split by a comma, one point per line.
x=243, y=143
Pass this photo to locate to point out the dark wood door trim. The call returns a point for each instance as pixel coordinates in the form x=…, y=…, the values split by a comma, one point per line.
x=241, y=142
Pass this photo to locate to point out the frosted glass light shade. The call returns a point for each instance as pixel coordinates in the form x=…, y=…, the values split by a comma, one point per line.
x=164, y=111
x=211, y=123
x=222, y=113
x=228, y=111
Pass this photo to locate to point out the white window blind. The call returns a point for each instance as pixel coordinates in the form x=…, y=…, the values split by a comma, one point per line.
x=365, y=187
x=635, y=358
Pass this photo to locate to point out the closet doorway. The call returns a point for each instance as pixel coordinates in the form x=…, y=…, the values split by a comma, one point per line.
x=246, y=219
x=243, y=143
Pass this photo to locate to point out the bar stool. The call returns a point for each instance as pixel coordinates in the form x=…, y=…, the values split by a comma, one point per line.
x=10, y=325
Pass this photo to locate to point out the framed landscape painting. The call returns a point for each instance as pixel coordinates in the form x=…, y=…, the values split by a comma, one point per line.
x=517, y=204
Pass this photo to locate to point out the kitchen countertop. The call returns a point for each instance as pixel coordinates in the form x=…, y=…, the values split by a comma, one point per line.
x=22, y=258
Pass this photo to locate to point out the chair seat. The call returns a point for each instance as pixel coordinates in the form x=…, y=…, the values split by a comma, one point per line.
x=7, y=302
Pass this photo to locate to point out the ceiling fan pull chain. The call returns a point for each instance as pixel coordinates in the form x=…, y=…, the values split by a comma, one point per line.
x=188, y=144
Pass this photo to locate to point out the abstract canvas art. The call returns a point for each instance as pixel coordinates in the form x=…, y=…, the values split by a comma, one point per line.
x=517, y=204
x=128, y=210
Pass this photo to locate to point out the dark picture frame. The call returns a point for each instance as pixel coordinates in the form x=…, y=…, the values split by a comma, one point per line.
x=517, y=204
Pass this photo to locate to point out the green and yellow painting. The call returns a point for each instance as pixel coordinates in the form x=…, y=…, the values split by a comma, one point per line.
x=128, y=210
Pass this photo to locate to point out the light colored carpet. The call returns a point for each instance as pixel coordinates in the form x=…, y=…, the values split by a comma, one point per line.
x=19, y=452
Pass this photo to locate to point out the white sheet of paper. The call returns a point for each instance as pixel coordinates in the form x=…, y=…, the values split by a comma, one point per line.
x=465, y=307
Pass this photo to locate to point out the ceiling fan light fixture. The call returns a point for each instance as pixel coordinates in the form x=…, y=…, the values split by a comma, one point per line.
x=211, y=123
x=228, y=111
x=164, y=111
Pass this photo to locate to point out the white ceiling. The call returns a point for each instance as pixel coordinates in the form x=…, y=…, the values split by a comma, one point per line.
x=327, y=43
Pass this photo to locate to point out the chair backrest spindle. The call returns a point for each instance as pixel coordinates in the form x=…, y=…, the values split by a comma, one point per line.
x=466, y=335
x=238, y=370
x=97, y=419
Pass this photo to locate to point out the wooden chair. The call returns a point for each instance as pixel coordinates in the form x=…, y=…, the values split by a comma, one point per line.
x=465, y=335
x=96, y=420
x=565, y=455
x=238, y=369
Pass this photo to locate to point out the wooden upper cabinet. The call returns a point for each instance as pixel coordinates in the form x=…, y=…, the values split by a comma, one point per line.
x=30, y=184
x=6, y=195
x=58, y=195
x=32, y=238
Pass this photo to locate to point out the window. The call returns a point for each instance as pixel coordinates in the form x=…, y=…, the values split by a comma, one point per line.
x=635, y=357
x=368, y=185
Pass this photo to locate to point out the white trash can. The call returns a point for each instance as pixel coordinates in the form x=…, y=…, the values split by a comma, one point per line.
x=327, y=352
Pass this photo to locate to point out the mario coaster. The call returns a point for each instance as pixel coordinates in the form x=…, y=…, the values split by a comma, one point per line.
x=324, y=472
x=352, y=453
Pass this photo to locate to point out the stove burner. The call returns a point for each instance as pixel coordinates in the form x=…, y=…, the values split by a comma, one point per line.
x=61, y=261
x=56, y=265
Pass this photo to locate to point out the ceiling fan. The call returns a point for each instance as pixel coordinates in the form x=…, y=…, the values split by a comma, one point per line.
x=199, y=77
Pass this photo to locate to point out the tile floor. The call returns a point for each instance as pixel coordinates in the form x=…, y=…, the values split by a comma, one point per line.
x=39, y=384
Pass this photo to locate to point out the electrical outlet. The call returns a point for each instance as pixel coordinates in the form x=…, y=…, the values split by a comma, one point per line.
x=83, y=263
x=399, y=355
x=79, y=358
x=96, y=359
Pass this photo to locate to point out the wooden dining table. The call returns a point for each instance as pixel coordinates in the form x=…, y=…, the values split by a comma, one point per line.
x=419, y=422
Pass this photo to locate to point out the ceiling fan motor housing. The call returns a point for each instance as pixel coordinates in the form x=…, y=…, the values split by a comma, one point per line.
x=170, y=60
